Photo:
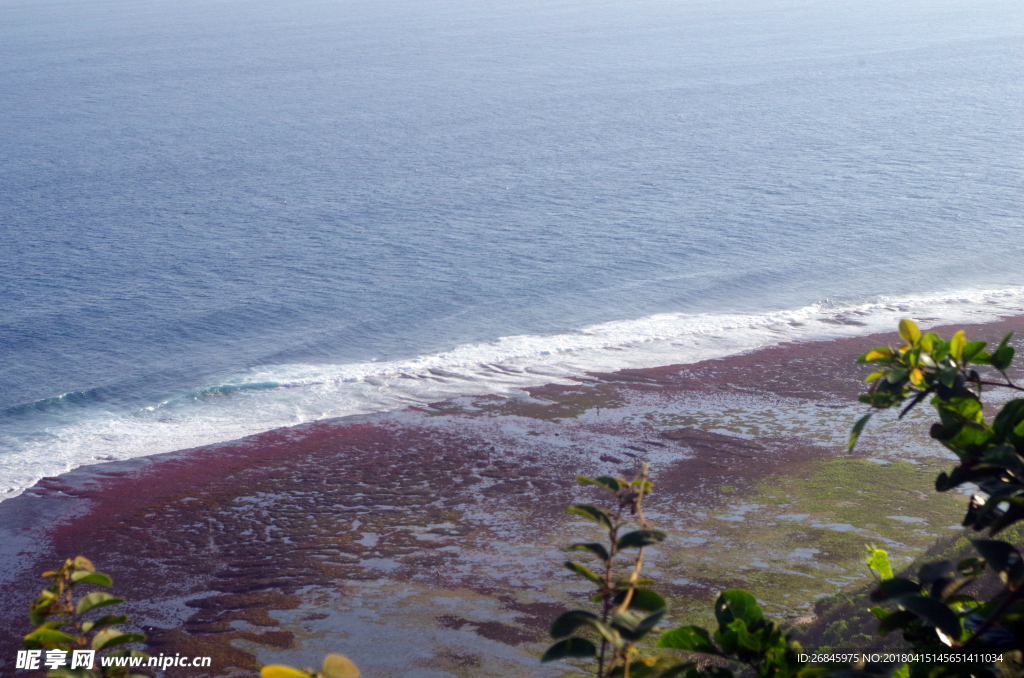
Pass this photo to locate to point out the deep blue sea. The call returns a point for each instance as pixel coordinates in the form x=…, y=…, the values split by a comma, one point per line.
x=223, y=216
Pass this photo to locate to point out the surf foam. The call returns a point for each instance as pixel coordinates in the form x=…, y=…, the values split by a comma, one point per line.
x=274, y=396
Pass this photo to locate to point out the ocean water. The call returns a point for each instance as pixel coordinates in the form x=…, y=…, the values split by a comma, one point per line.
x=223, y=217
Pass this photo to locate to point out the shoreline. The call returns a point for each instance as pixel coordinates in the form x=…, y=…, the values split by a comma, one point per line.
x=238, y=549
x=254, y=401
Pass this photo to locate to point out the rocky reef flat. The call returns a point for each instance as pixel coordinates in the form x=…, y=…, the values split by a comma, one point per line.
x=429, y=542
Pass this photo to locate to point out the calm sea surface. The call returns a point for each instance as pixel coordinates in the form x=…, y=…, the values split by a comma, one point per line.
x=222, y=217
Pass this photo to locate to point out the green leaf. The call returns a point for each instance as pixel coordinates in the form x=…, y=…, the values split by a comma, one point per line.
x=857, y=428
x=901, y=672
x=970, y=567
x=608, y=633
x=1014, y=513
x=895, y=587
x=592, y=513
x=604, y=482
x=897, y=375
x=972, y=349
x=879, y=612
x=745, y=639
x=1003, y=558
x=879, y=562
x=896, y=620
x=648, y=623
x=47, y=635
x=644, y=600
x=634, y=628
x=570, y=647
x=80, y=576
x=934, y=571
x=570, y=621
x=982, y=358
x=112, y=637
x=594, y=547
x=962, y=602
x=1002, y=356
x=909, y=332
x=1004, y=457
x=964, y=409
x=96, y=599
x=594, y=622
x=583, y=572
x=947, y=376
x=934, y=612
x=737, y=604
x=40, y=610
x=1009, y=417
x=613, y=484
x=658, y=667
x=689, y=639
x=972, y=436
x=640, y=538
x=624, y=621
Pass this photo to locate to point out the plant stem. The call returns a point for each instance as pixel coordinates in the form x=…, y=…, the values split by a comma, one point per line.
x=994, y=617
x=1006, y=385
x=609, y=591
x=632, y=581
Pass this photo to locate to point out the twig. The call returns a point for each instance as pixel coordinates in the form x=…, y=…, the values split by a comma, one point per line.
x=994, y=617
x=1008, y=384
x=917, y=399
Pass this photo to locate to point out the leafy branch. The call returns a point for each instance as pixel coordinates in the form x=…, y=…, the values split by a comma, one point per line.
x=62, y=627
x=628, y=610
x=933, y=611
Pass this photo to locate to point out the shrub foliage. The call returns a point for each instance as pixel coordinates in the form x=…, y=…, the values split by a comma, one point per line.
x=67, y=622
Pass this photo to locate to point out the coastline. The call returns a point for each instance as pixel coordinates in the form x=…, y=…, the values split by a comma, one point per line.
x=49, y=437
x=334, y=535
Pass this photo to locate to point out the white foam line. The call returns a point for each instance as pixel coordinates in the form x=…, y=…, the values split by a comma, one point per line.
x=503, y=366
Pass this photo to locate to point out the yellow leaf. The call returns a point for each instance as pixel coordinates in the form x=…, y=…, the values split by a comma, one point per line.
x=957, y=345
x=282, y=671
x=876, y=375
x=339, y=666
x=909, y=332
x=877, y=353
x=83, y=563
x=916, y=377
